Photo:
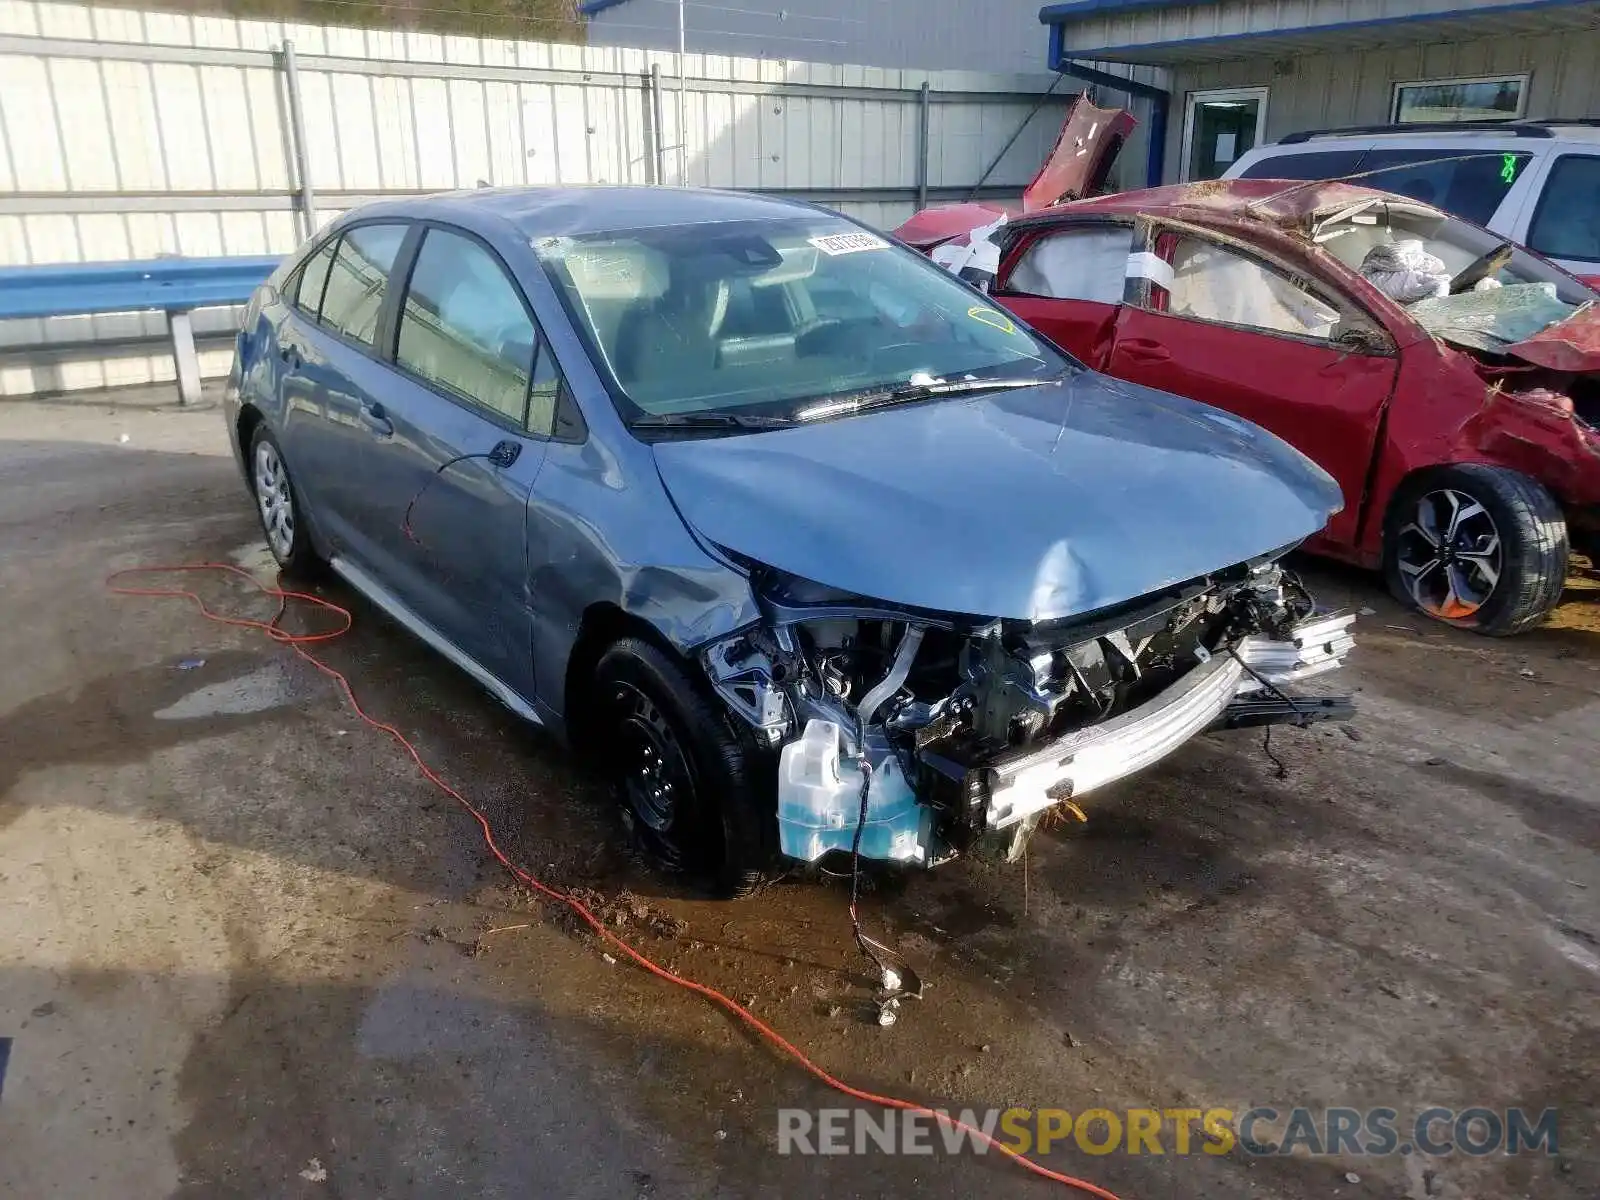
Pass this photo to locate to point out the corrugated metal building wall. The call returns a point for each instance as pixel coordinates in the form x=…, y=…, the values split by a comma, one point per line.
x=971, y=35
x=1325, y=65
x=1354, y=88
x=127, y=134
x=981, y=35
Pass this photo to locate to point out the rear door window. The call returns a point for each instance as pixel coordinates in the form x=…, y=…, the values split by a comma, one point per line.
x=358, y=279
x=464, y=327
x=1075, y=264
x=1469, y=183
x=1567, y=222
x=1327, y=164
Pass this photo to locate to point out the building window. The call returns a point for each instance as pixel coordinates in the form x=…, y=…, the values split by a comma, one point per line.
x=1219, y=127
x=1490, y=98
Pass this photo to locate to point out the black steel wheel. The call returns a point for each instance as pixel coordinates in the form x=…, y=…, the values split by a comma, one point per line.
x=656, y=785
x=694, y=793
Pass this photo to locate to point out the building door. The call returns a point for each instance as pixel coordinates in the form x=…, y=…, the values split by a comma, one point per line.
x=1220, y=126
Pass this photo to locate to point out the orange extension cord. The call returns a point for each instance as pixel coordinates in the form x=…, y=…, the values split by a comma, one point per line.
x=298, y=643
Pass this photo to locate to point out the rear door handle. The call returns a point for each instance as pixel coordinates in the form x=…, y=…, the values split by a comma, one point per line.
x=1146, y=350
x=375, y=419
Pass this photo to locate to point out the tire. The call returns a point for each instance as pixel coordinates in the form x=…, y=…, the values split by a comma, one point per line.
x=278, y=506
x=694, y=792
x=1502, y=519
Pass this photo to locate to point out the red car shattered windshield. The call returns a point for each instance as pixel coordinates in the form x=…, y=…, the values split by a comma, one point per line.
x=1459, y=282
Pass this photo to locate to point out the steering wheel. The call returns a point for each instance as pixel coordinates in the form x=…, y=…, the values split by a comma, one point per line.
x=1481, y=268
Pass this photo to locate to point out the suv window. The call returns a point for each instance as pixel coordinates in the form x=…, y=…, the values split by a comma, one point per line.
x=1567, y=221
x=1075, y=264
x=1210, y=283
x=1462, y=181
x=312, y=278
x=464, y=327
x=1330, y=164
x=357, y=280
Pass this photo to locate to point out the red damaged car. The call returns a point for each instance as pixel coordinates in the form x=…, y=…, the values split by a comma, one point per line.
x=1449, y=380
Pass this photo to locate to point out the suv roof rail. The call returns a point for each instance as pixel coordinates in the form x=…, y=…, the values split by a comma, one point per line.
x=1521, y=129
x=1538, y=128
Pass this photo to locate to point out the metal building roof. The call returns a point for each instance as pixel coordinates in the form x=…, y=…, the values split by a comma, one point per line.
x=1169, y=32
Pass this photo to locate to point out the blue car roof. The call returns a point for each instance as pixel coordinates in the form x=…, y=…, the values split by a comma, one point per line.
x=547, y=211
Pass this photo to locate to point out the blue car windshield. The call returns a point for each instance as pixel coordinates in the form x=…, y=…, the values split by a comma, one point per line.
x=772, y=318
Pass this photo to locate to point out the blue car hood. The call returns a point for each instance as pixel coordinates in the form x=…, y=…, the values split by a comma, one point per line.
x=1036, y=504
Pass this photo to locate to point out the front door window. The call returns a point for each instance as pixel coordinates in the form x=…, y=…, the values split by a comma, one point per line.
x=1219, y=127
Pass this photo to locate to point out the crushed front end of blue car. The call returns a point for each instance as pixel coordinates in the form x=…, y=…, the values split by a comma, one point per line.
x=912, y=737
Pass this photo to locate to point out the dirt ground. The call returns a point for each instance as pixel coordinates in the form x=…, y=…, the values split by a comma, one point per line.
x=246, y=951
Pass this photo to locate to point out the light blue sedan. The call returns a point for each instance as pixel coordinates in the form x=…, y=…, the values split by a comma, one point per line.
x=810, y=544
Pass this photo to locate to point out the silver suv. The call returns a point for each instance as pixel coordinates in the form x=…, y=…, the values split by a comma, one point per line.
x=1534, y=182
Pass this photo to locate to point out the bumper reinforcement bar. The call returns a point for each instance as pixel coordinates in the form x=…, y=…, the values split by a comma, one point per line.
x=1219, y=693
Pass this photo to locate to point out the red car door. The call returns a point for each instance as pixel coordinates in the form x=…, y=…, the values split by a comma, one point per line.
x=1067, y=282
x=1241, y=334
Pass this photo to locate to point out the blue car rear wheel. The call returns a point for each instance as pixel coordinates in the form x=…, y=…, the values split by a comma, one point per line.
x=278, y=505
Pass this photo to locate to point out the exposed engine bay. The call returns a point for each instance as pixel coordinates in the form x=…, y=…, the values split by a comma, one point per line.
x=919, y=733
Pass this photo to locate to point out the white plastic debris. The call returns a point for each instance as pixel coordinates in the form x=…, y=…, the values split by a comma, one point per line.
x=315, y=1172
x=1405, y=272
x=975, y=257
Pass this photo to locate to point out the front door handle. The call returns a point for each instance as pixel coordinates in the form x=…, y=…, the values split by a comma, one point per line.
x=377, y=420
x=1146, y=350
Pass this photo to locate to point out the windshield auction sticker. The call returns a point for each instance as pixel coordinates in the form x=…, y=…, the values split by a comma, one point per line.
x=848, y=243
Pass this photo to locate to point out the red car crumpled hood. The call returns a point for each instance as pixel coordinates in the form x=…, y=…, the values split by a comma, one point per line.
x=1570, y=345
x=932, y=226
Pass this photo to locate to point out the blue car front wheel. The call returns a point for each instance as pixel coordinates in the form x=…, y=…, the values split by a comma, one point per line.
x=695, y=795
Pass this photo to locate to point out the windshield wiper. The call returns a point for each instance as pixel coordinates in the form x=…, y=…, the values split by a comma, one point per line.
x=710, y=420
x=901, y=393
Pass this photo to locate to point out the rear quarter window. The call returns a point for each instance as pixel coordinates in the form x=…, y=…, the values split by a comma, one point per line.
x=1567, y=222
x=306, y=289
x=1327, y=164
